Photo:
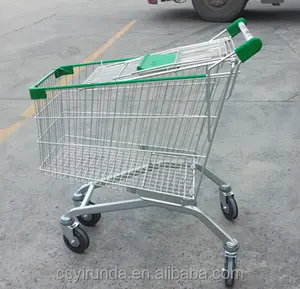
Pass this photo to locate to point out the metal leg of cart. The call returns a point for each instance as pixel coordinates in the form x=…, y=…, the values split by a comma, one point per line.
x=77, y=240
x=228, y=203
x=231, y=246
x=89, y=214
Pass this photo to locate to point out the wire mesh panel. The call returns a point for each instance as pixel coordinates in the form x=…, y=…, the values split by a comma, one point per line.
x=146, y=134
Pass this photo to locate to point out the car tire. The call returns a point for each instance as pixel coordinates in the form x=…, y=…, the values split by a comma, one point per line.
x=219, y=10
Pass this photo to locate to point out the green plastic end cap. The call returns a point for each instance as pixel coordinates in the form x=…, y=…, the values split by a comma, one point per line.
x=233, y=29
x=63, y=70
x=37, y=93
x=248, y=49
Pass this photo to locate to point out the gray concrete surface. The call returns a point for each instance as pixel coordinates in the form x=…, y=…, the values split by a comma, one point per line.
x=256, y=150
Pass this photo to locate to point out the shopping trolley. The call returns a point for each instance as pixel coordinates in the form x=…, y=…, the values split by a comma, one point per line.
x=148, y=131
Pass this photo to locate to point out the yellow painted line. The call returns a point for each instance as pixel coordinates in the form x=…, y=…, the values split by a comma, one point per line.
x=6, y=132
x=30, y=111
x=101, y=50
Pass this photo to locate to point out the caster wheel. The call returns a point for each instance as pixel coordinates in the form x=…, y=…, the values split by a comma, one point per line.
x=231, y=210
x=89, y=220
x=82, y=241
x=229, y=272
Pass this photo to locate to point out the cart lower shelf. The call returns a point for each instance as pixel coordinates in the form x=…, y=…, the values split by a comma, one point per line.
x=137, y=169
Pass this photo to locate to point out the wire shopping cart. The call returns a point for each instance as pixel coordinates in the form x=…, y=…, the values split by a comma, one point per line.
x=147, y=130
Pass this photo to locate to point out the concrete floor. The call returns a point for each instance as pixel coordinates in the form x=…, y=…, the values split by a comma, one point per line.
x=256, y=150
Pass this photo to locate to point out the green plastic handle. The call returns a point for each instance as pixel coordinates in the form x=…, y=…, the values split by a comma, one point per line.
x=251, y=46
x=248, y=49
x=233, y=29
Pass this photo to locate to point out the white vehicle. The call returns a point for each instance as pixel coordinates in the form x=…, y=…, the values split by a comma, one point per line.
x=219, y=10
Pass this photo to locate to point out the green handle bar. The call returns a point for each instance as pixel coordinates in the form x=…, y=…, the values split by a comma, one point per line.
x=252, y=44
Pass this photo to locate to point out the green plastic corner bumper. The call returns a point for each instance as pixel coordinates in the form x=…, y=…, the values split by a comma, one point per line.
x=37, y=93
x=63, y=70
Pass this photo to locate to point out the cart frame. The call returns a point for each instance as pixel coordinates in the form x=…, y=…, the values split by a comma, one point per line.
x=89, y=214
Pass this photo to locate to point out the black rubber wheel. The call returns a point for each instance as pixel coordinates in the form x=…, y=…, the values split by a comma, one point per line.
x=231, y=211
x=89, y=220
x=219, y=10
x=82, y=238
x=229, y=272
